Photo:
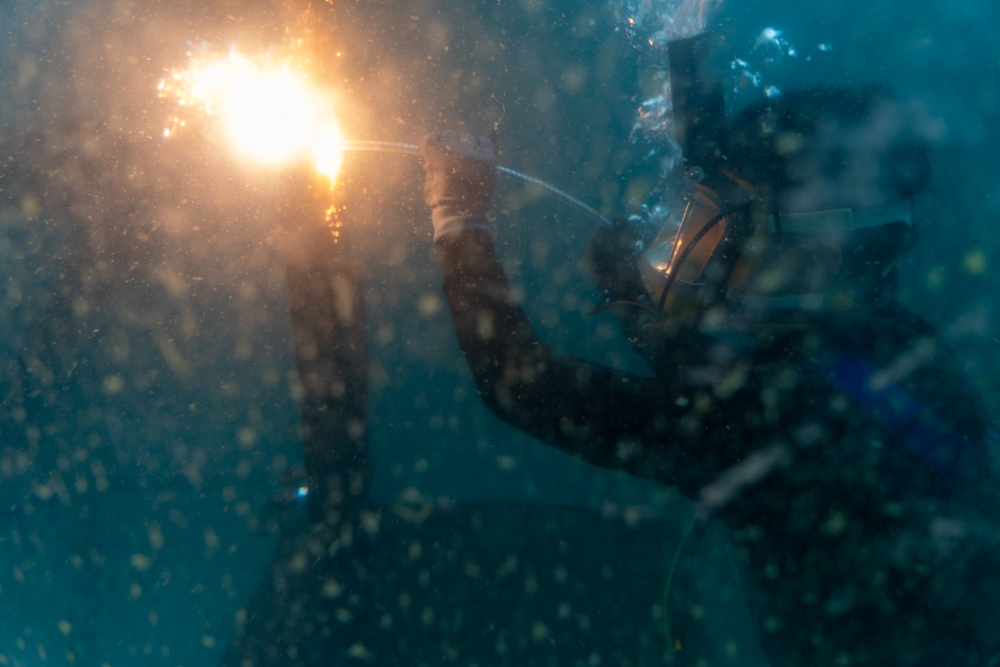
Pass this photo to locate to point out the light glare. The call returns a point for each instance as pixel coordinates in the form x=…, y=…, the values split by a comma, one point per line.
x=329, y=153
x=269, y=114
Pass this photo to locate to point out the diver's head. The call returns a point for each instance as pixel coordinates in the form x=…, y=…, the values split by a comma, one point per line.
x=808, y=203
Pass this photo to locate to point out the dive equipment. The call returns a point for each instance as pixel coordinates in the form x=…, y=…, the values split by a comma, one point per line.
x=699, y=111
x=724, y=225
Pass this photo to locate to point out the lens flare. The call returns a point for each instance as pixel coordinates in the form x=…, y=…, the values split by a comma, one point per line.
x=269, y=113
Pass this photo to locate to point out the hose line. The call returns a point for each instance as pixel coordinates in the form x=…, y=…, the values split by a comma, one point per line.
x=411, y=149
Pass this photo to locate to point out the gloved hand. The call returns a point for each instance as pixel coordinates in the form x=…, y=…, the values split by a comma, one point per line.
x=461, y=178
x=612, y=252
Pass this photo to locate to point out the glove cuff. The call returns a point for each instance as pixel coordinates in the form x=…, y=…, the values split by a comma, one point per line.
x=448, y=224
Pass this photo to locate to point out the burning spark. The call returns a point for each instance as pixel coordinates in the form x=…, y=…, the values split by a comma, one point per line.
x=270, y=113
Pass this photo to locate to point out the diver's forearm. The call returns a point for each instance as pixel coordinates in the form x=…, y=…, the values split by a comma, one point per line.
x=595, y=413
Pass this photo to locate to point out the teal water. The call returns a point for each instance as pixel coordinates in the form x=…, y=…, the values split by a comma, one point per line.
x=150, y=408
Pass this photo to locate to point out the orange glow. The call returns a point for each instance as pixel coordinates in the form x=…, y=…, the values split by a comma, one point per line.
x=269, y=112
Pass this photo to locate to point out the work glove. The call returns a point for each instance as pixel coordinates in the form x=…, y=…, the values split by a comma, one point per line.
x=461, y=178
x=613, y=252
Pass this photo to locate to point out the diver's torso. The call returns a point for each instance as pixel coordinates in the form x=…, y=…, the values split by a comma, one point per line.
x=842, y=440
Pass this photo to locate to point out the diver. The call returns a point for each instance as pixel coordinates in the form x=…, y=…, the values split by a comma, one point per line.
x=789, y=393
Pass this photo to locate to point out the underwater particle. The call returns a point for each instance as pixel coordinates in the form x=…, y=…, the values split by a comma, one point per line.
x=81, y=307
x=411, y=494
x=638, y=191
x=360, y=652
x=355, y=428
x=429, y=304
x=825, y=47
x=247, y=437
x=114, y=384
x=385, y=334
x=507, y=462
x=140, y=562
x=65, y=627
x=975, y=262
x=331, y=588
x=788, y=143
x=632, y=516
x=243, y=469
x=836, y=524
x=31, y=207
x=174, y=357
x=772, y=92
x=371, y=521
x=299, y=563
x=539, y=631
x=573, y=80
x=27, y=71
x=212, y=541
x=244, y=350
x=208, y=641
x=936, y=278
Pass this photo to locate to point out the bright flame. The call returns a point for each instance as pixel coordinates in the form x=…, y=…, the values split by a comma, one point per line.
x=270, y=114
x=328, y=152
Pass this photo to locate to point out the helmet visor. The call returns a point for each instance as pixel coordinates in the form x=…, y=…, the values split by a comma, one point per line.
x=681, y=255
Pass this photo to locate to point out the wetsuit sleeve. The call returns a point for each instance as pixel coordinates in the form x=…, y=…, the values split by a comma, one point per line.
x=606, y=417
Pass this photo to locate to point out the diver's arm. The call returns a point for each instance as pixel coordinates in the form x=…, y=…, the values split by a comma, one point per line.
x=606, y=417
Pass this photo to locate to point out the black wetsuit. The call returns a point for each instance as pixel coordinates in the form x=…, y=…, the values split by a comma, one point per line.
x=837, y=448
